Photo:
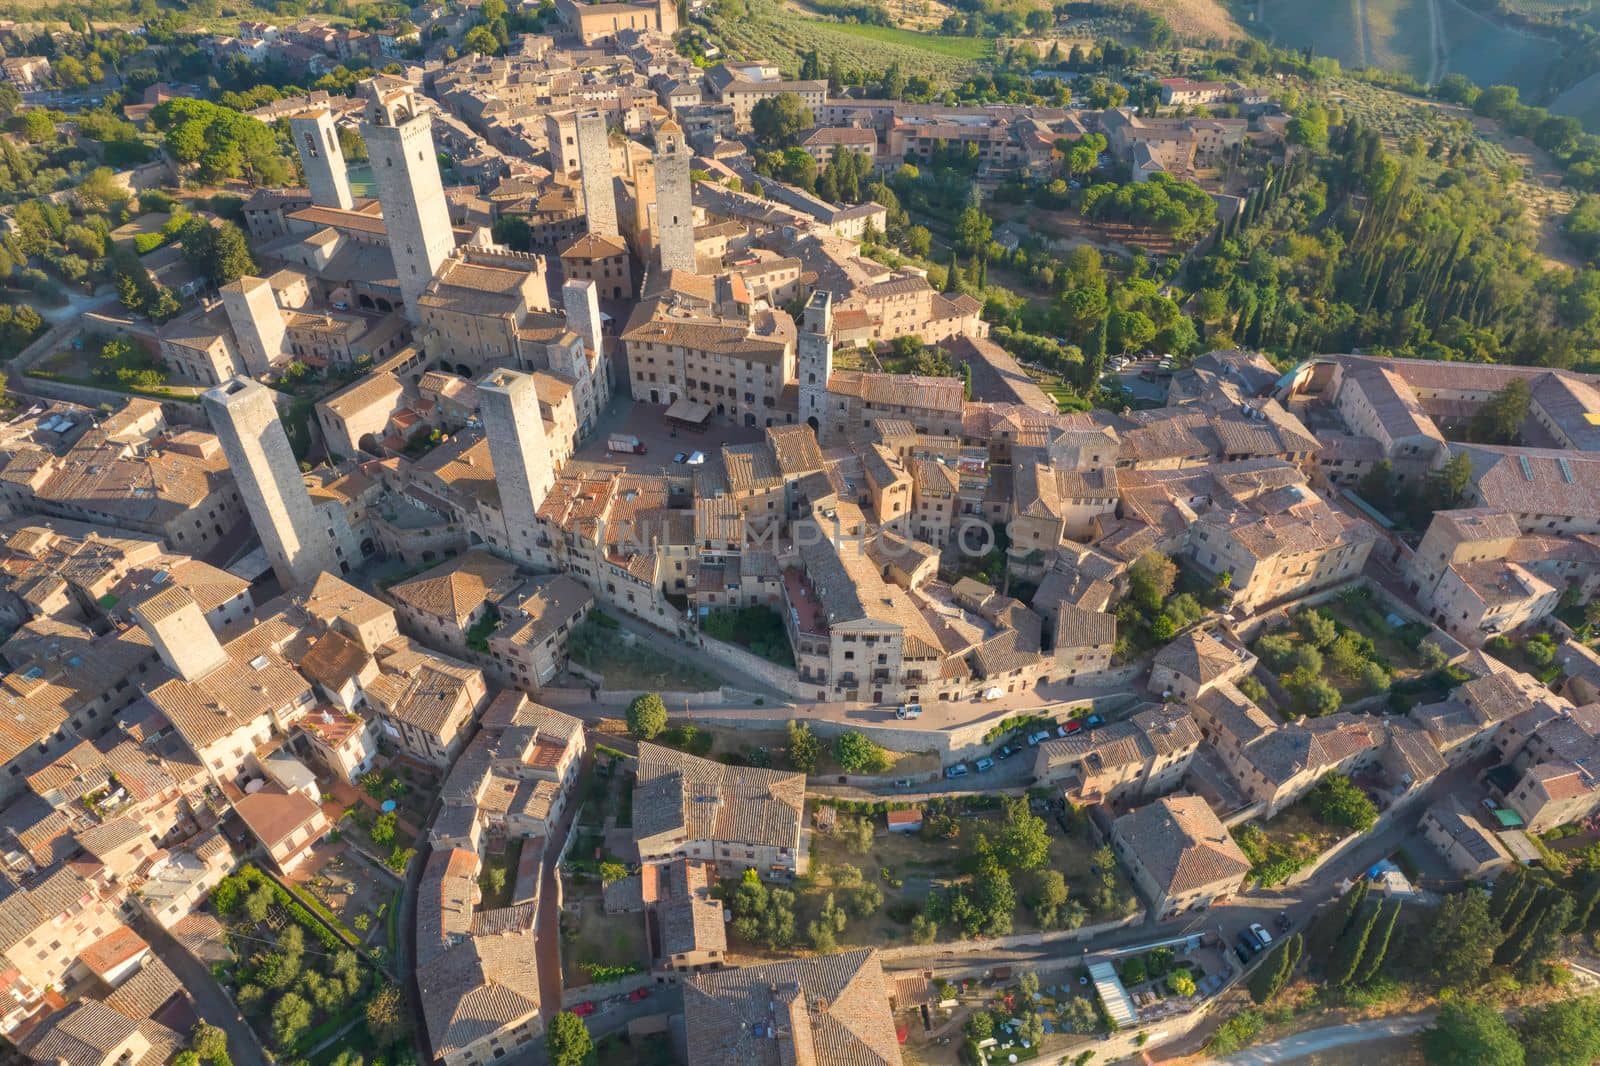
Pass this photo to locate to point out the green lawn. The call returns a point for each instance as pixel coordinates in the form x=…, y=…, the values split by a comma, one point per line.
x=967, y=49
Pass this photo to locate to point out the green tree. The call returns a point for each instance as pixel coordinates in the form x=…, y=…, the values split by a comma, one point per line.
x=1499, y=421
x=612, y=872
x=855, y=754
x=481, y=39
x=209, y=1042
x=1460, y=942
x=291, y=1016
x=1347, y=951
x=647, y=716
x=567, y=1041
x=1339, y=801
x=1151, y=579
x=1563, y=1033
x=383, y=828
x=973, y=232
x=923, y=929
x=1378, y=943
x=1181, y=983
x=38, y=127
x=805, y=749
x=1274, y=972
x=1024, y=841
x=1471, y=1031
x=777, y=120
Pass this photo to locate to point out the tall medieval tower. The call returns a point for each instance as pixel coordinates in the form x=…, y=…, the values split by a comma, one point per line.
x=674, y=206
x=508, y=400
x=814, y=359
x=322, y=158
x=400, y=146
x=246, y=422
x=594, y=166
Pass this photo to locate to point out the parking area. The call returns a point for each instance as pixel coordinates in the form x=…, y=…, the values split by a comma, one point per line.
x=661, y=440
x=1143, y=378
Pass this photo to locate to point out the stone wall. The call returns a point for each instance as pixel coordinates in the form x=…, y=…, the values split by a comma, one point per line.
x=964, y=947
x=781, y=678
x=1402, y=807
x=177, y=412
x=571, y=997
x=952, y=743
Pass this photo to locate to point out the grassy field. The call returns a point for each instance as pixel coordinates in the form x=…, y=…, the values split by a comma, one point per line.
x=1331, y=27
x=779, y=34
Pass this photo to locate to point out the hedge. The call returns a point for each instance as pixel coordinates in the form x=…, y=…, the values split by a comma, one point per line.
x=305, y=910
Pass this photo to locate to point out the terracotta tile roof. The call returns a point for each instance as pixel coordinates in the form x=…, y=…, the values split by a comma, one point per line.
x=1182, y=844
x=704, y=800
x=272, y=813
x=455, y=589
x=829, y=1010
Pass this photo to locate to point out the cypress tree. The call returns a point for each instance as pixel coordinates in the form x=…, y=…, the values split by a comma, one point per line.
x=1378, y=943
x=1521, y=934
x=1274, y=973
x=1522, y=908
x=1330, y=925
x=1505, y=890
x=1352, y=946
x=1583, y=913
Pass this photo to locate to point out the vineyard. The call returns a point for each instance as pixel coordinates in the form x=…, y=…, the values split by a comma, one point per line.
x=779, y=34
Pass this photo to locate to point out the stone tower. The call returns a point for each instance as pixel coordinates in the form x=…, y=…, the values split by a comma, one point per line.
x=644, y=202
x=667, y=16
x=246, y=422
x=179, y=633
x=508, y=401
x=580, y=300
x=400, y=146
x=594, y=165
x=257, y=323
x=321, y=158
x=674, y=208
x=814, y=359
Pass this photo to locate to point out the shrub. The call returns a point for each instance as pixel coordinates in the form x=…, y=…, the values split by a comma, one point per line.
x=647, y=716
x=1337, y=801
x=857, y=755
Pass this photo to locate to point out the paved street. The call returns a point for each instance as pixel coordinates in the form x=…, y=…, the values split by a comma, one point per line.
x=1294, y=1048
x=210, y=1001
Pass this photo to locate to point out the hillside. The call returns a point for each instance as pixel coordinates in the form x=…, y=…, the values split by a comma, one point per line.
x=1426, y=39
x=1196, y=20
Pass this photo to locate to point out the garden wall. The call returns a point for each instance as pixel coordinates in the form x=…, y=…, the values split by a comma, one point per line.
x=951, y=743
x=176, y=411
x=1401, y=806
x=571, y=997
x=960, y=947
x=782, y=678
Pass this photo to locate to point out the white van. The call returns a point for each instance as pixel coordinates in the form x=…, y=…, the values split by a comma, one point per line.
x=908, y=710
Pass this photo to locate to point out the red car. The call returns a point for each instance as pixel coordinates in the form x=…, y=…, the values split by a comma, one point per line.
x=637, y=994
x=584, y=1009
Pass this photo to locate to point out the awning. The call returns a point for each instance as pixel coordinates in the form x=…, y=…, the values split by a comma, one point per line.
x=689, y=411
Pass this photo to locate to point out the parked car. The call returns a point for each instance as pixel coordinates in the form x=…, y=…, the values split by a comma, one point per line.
x=984, y=765
x=1035, y=738
x=958, y=770
x=1094, y=721
x=1489, y=804
x=1259, y=931
x=637, y=994
x=680, y=457
x=584, y=1009
x=1005, y=752
x=1248, y=944
x=1066, y=729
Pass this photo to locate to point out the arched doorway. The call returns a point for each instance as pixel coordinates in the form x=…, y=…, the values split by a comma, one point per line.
x=815, y=426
